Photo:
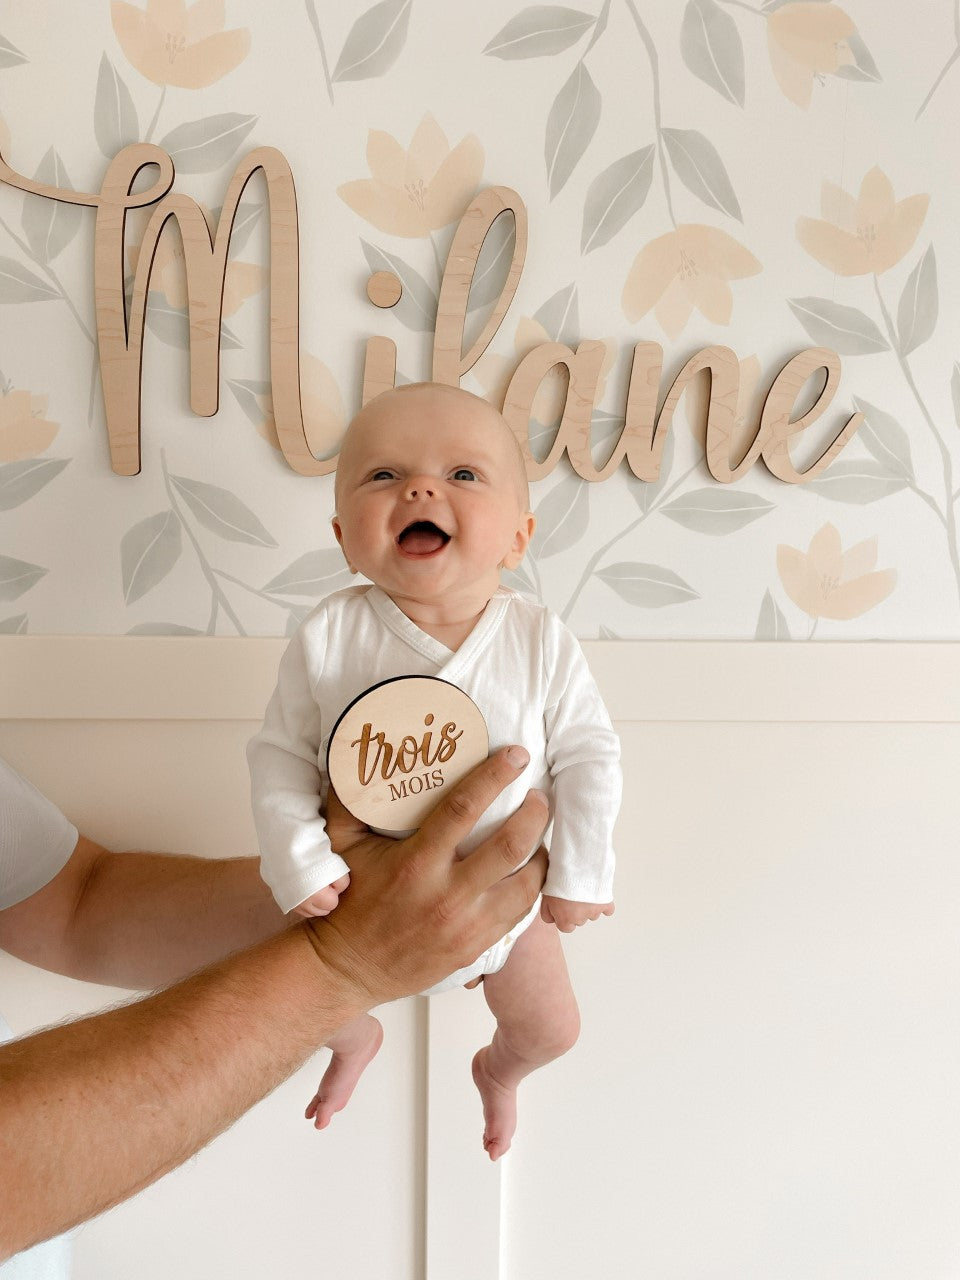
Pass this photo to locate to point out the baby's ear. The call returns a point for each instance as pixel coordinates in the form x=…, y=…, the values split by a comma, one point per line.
x=338, y=534
x=521, y=540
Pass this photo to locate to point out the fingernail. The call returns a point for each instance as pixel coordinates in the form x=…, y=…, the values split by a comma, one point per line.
x=540, y=795
x=518, y=757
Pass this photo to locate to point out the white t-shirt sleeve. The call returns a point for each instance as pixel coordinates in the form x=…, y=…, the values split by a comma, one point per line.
x=36, y=840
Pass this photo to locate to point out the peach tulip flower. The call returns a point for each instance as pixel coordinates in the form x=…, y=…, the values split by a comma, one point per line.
x=689, y=268
x=806, y=41
x=411, y=193
x=865, y=236
x=24, y=431
x=324, y=417
x=827, y=582
x=170, y=43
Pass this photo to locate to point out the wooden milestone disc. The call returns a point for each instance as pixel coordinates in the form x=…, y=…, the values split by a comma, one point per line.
x=400, y=746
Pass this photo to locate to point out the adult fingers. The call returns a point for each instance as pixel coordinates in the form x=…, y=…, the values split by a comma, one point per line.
x=509, y=900
x=458, y=812
x=502, y=852
x=343, y=828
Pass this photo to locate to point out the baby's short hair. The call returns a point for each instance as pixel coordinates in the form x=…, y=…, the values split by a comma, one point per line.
x=442, y=388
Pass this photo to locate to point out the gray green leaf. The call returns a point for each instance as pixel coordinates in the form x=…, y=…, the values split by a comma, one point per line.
x=200, y=146
x=539, y=31
x=222, y=512
x=647, y=586
x=10, y=55
x=50, y=225
x=562, y=517
x=115, y=121
x=919, y=304
x=496, y=254
x=246, y=397
x=863, y=66
x=697, y=164
x=375, y=41
x=771, y=624
x=14, y=626
x=717, y=511
x=571, y=124
x=17, y=284
x=955, y=390
x=312, y=574
x=21, y=480
x=711, y=47
x=163, y=629
x=417, y=308
x=857, y=482
x=560, y=316
x=883, y=435
x=615, y=196
x=17, y=577
x=148, y=551
x=842, y=329
x=606, y=634
x=601, y=25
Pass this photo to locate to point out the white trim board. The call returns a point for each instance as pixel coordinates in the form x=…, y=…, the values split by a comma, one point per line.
x=228, y=678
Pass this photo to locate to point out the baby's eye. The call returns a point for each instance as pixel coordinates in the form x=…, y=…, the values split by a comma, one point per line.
x=464, y=473
x=383, y=474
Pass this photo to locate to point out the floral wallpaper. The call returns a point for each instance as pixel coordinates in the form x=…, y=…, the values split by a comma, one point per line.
x=763, y=174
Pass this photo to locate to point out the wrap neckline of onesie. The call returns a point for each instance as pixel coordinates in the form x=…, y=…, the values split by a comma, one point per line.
x=449, y=661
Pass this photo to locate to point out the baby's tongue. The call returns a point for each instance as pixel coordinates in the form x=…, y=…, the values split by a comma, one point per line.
x=421, y=539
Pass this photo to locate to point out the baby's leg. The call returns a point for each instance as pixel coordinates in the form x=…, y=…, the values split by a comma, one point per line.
x=353, y=1047
x=537, y=1021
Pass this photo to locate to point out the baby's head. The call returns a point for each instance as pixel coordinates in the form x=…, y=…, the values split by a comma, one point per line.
x=431, y=492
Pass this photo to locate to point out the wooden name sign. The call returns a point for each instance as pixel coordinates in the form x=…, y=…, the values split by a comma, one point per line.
x=120, y=335
x=398, y=744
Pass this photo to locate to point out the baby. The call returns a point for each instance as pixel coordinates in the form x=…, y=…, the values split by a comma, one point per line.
x=432, y=502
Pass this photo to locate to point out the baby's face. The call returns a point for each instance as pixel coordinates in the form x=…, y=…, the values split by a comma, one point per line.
x=430, y=497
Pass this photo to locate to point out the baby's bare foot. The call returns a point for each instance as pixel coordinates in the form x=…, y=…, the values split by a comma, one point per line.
x=499, y=1108
x=356, y=1046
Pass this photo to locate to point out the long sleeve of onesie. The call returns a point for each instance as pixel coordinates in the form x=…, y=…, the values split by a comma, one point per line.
x=583, y=756
x=288, y=788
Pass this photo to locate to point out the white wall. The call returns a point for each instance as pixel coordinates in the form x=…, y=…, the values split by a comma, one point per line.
x=766, y=1082
x=831, y=92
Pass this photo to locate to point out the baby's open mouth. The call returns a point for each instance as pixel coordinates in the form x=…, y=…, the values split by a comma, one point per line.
x=422, y=538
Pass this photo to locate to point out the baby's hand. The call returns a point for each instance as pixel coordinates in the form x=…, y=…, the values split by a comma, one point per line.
x=568, y=915
x=323, y=901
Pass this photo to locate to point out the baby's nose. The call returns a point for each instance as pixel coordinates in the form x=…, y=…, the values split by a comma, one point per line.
x=420, y=487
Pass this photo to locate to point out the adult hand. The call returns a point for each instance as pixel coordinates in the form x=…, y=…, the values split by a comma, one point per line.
x=414, y=911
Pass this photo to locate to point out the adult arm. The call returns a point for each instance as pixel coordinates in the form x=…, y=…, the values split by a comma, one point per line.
x=140, y=920
x=94, y=1111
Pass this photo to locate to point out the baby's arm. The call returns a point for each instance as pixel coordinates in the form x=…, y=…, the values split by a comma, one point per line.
x=583, y=755
x=287, y=787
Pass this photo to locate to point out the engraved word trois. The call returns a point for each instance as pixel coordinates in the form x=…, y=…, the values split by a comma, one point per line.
x=375, y=755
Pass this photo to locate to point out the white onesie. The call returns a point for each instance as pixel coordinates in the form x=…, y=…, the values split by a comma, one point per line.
x=526, y=673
